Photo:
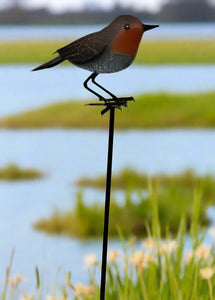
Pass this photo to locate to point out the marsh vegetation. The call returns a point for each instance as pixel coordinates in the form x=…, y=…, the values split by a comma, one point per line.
x=14, y=173
x=148, y=112
x=174, y=268
x=174, y=195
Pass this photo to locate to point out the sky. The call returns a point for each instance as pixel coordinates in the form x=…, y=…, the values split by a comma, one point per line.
x=62, y=5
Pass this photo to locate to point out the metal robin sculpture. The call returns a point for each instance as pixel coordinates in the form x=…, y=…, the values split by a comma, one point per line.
x=109, y=50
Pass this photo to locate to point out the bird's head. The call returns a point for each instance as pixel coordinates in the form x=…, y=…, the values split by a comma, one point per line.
x=129, y=31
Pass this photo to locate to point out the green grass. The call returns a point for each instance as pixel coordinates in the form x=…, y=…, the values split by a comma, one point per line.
x=132, y=180
x=159, y=269
x=162, y=271
x=176, y=52
x=149, y=111
x=14, y=173
x=174, y=193
x=150, y=52
x=27, y=52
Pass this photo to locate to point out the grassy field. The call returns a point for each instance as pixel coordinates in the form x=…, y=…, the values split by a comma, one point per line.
x=174, y=195
x=150, y=52
x=149, y=111
x=13, y=173
x=158, y=269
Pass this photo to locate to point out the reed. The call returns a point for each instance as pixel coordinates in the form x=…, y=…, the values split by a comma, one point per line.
x=174, y=194
x=165, y=268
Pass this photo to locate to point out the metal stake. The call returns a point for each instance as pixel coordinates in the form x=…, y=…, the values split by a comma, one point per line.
x=110, y=105
x=107, y=204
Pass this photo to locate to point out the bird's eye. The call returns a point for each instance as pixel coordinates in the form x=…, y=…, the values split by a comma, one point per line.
x=127, y=26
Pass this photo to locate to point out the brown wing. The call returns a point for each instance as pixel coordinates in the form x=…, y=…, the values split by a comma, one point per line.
x=85, y=48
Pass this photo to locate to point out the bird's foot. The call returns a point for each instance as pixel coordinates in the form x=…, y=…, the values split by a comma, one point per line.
x=116, y=103
x=120, y=101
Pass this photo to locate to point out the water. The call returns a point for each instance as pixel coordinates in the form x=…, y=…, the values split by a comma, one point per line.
x=69, y=32
x=63, y=156
x=67, y=83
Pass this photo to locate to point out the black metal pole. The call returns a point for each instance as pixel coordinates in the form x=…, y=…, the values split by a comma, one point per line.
x=107, y=204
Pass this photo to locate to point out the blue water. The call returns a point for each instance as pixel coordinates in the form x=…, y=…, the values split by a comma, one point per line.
x=69, y=32
x=64, y=157
x=22, y=90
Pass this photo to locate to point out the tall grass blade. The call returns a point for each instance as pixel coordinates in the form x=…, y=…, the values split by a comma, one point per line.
x=37, y=278
x=8, y=275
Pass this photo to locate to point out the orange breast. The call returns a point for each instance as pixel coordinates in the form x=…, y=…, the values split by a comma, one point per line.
x=127, y=41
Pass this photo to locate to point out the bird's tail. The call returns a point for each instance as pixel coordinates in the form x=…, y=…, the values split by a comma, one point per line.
x=57, y=60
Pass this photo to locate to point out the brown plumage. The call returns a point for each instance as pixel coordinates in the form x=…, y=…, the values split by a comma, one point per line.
x=109, y=50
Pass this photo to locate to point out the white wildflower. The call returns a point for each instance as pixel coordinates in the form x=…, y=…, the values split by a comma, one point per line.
x=167, y=248
x=90, y=260
x=15, y=280
x=141, y=260
x=150, y=244
x=50, y=297
x=137, y=258
x=27, y=297
x=113, y=256
x=81, y=290
x=203, y=252
x=207, y=273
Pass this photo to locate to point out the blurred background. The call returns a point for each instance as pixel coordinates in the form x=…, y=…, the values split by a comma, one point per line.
x=50, y=141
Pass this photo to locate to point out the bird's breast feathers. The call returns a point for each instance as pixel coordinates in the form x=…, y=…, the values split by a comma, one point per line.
x=127, y=42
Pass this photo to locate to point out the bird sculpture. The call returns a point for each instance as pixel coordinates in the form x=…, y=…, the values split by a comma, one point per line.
x=109, y=50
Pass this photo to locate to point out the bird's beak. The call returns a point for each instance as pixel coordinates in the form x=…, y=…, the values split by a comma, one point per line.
x=149, y=27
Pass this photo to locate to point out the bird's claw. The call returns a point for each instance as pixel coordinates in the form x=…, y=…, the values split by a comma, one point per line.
x=114, y=102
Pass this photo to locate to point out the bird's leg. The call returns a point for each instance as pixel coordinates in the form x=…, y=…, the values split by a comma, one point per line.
x=94, y=75
x=114, y=102
x=89, y=89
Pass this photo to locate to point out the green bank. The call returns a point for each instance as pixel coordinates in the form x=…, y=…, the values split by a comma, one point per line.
x=129, y=179
x=148, y=112
x=15, y=173
x=150, y=52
